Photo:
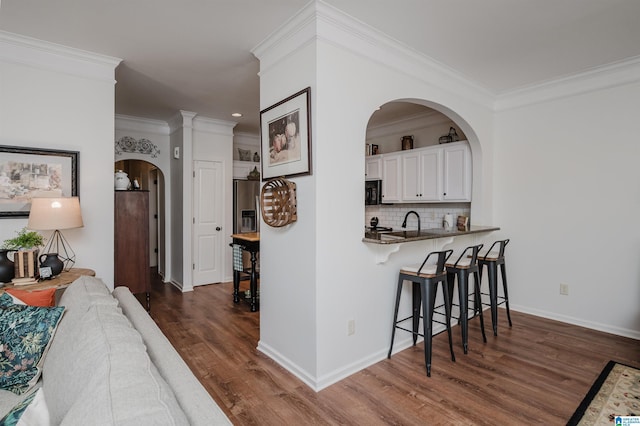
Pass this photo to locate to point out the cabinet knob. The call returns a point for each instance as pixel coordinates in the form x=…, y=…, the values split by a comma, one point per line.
x=218, y=228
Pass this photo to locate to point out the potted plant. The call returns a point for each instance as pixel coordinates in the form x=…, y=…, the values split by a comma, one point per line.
x=25, y=245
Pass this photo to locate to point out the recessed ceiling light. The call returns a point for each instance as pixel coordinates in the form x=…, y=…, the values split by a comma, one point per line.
x=236, y=114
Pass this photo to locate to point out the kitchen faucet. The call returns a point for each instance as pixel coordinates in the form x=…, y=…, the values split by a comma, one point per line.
x=404, y=222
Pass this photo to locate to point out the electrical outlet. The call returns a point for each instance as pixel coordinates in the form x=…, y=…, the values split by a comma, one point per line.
x=564, y=289
x=351, y=327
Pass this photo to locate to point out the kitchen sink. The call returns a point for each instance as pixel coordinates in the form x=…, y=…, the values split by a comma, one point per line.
x=410, y=234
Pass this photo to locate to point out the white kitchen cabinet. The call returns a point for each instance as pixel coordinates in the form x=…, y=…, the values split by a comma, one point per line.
x=373, y=167
x=440, y=173
x=457, y=172
x=391, y=178
x=422, y=175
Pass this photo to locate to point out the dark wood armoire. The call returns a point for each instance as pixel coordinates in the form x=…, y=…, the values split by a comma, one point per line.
x=131, y=242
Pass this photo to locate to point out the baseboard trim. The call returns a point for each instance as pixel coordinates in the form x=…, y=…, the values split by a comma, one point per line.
x=618, y=331
x=319, y=383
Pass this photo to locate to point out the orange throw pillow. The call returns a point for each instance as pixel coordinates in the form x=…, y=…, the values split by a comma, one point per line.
x=36, y=297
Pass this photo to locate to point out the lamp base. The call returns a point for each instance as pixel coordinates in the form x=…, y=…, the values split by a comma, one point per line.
x=58, y=244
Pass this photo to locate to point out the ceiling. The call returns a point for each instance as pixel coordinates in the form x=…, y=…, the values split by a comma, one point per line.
x=195, y=55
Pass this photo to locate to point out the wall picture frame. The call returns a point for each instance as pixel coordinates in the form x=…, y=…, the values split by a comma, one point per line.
x=27, y=173
x=285, y=137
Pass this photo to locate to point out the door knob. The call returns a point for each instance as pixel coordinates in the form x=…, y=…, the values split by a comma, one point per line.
x=218, y=228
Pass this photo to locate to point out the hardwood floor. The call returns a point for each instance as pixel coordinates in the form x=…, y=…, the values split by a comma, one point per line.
x=534, y=373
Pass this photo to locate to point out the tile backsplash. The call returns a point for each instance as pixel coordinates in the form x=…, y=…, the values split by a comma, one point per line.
x=431, y=215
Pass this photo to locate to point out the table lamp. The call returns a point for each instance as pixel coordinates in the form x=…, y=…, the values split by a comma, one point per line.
x=54, y=214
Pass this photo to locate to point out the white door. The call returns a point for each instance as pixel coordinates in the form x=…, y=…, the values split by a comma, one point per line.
x=208, y=198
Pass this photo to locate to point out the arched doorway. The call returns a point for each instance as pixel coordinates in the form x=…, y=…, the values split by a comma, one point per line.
x=428, y=121
x=149, y=177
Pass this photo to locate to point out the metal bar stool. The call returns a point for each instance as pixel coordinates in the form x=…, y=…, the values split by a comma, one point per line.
x=466, y=265
x=494, y=258
x=425, y=279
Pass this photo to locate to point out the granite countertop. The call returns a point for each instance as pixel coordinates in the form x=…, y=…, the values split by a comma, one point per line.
x=425, y=234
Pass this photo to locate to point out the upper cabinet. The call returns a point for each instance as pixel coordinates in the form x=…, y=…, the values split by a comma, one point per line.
x=457, y=172
x=373, y=167
x=391, y=178
x=440, y=173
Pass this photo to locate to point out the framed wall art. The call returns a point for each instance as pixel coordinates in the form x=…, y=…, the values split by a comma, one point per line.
x=285, y=137
x=27, y=173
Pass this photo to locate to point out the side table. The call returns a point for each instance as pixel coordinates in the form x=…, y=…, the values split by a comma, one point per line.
x=61, y=281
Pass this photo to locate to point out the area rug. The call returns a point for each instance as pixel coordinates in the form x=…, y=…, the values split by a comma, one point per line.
x=615, y=393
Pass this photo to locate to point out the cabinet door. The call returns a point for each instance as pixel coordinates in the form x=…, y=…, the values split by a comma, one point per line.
x=391, y=178
x=411, y=177
x=131, y=240
x=431, y=177
x=373, y=168
x=457, y=173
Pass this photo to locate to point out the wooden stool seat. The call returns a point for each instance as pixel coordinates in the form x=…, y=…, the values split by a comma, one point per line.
x=428, y=271
x=425, y=279
x=462, y=269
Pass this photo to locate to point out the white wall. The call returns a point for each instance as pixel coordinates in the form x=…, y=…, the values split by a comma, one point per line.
x=59, y=98
x=567, y=195
x=317, y=274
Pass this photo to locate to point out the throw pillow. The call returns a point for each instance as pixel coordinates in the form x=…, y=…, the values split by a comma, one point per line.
x=29, y=412
x=36, y=297
x=25, y=334
x=8, y=300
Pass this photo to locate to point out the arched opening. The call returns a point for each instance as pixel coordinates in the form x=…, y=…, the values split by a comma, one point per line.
x=423, y=124
x=151, y=178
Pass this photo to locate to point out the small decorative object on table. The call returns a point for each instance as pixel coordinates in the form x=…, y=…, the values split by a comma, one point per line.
x=122, y=181
x=54, y=214
x=25, y=257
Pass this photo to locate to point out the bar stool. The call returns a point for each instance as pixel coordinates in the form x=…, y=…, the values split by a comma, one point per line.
x=466, y=265
x=425, y=279
x=494, y=258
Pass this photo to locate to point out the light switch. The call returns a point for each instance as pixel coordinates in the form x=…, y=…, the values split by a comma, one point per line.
x=176, y=152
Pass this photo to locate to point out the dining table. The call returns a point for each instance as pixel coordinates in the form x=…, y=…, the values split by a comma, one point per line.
x=248, y=241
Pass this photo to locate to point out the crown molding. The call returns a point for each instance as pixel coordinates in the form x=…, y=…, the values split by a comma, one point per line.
x=180, y=120
x=139, y=124
x=598, y=78
x=212, y=125
x=18, y=49
x=319, y=21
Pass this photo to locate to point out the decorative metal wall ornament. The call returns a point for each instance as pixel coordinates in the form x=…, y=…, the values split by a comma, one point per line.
x=139, y=146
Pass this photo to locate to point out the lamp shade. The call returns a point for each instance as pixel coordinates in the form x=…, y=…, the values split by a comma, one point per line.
x=55, y=213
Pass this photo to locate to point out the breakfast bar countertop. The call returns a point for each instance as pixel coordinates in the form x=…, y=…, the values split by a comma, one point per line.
x=424, y=234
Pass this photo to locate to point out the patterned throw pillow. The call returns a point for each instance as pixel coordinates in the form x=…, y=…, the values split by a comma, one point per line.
x=29, y=412
x=25, y=334
x=7, y=300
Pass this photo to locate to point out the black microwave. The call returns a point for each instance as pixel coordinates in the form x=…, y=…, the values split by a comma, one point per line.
x=372, y=192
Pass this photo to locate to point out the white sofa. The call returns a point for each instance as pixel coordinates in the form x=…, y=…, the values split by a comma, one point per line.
x=109, y=364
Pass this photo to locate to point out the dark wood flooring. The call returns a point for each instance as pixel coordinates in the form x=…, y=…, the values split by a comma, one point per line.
x=534, y=373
